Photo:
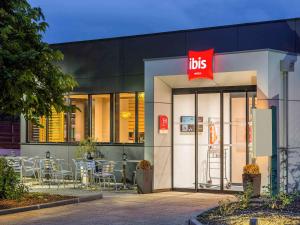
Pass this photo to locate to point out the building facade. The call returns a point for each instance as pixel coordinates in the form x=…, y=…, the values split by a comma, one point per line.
x=135, y=96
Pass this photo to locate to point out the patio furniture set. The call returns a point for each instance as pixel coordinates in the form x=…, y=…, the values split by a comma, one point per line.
x=84, y=173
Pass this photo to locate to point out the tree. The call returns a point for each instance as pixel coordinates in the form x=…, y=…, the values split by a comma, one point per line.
x=31, y=82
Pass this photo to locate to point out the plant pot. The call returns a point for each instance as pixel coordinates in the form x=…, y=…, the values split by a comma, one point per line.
x=144, y=180
x=255, y=181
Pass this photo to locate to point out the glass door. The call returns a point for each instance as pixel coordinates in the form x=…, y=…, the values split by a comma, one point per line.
x=184, y=141
x=212, y=139
x=209, y=141
x=235, y=152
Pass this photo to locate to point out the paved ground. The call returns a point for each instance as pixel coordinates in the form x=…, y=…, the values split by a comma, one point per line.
x=168, y=208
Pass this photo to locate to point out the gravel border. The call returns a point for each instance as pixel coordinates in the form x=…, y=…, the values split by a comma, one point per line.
x=52, y=204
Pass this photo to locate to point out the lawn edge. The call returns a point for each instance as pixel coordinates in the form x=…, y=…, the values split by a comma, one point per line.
x=194, y=221
x=52, y=204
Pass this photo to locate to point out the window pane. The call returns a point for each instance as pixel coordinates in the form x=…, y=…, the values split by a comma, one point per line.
x=141, y=113
x=125, y=118
x=79, y=118
x=36, y=133
x=101, y=118
x=56, y=127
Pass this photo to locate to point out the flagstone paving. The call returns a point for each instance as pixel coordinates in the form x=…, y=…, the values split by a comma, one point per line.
x=167, y=208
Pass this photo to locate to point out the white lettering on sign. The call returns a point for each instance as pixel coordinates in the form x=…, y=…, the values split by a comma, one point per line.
x=197, y=63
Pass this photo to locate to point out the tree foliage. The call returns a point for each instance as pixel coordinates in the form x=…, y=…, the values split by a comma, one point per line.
x=31, y=82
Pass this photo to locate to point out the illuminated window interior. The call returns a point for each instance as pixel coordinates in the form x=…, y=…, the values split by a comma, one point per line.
x=101, y=118
x=79, y=117
x=141, y=119
x=125, y=118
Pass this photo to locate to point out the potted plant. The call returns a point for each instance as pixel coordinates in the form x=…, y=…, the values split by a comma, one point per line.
x=144, y=177
x=86, y=149
x=252, y=178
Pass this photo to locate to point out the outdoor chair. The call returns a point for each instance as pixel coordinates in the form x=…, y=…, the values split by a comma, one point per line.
x=16, y=164
x=87, y=172
x=28, y=168
x=106, y=175
x=61, y=171
x=46, y=170
x=77, y=171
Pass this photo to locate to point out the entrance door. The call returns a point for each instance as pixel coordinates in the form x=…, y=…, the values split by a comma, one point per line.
x=211, y=139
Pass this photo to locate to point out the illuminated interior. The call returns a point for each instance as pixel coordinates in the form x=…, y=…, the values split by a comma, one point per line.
x=101, y=117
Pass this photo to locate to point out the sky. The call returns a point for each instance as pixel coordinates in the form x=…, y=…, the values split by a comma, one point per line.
x=76, y=20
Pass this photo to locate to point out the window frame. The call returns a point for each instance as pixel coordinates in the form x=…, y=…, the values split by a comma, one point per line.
x=90, y=121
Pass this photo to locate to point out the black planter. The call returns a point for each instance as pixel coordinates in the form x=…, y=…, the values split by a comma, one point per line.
x=255, y=181
x=144, y=180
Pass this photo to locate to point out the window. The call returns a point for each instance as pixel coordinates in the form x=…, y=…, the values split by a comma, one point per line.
x=101, y=118
x=79, y=118
x=37, y=133
x=141, y=119
x=56, y=127
x=125, y=118
x=53, y=129
x=122, y=113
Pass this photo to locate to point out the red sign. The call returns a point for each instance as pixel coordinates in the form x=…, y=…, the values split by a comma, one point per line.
x=163, y=124
x=200, y=64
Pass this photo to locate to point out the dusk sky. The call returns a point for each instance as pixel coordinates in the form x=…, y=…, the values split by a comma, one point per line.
x=74, y=20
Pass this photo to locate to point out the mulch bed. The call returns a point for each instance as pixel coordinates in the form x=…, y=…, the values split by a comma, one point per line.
x=289, y=215
x=30, y=199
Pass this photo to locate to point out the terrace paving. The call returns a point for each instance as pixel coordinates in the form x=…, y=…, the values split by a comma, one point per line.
x=118, y=208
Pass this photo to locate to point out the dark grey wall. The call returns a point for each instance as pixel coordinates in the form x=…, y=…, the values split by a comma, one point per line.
x=116, y=64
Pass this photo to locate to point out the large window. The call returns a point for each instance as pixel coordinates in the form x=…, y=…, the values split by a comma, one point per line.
x=141, y=119
x=79, y=118
x=125, y=118
x=101, y=118
x=108, y=118
x=51, y=130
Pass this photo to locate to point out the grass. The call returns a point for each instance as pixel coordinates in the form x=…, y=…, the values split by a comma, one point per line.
x=264, y=220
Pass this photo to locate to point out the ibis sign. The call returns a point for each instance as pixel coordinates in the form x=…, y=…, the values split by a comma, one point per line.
x=200, y=64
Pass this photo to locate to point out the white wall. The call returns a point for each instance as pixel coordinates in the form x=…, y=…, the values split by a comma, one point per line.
x=162, y=142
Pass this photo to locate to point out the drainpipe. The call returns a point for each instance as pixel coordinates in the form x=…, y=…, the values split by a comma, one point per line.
x=286, y=66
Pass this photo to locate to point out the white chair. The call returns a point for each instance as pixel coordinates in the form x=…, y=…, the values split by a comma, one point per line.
x=28, y=168
x=77, y=171
x=107, y=174
x=46, y=170
x=16, y=164
x=61, y=171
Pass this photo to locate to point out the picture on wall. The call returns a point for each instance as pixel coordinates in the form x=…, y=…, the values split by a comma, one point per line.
x=187, y=124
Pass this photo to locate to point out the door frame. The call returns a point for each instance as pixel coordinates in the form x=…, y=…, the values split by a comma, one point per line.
x=205, y=90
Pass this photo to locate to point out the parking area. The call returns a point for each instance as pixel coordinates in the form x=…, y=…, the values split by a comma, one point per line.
x=166, y=208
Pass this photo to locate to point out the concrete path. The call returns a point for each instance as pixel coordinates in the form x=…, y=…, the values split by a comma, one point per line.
x=168, y=208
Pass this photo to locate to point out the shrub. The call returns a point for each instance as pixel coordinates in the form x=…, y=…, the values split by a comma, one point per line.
x=245, y=197
x=226, y=207
x=10, y=186
x=86, y=146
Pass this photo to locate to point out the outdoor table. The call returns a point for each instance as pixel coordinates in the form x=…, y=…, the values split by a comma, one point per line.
x=124, y=164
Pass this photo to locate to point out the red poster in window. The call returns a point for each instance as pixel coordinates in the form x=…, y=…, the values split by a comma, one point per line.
x=163, y=124
x=200, y=64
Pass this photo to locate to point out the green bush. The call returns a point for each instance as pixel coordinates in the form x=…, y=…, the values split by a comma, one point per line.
x=226, y=207
x=10, y=186
x=279, y=201
x=245, y=197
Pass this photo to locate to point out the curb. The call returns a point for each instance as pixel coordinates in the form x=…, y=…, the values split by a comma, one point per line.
x=194, y=221
x=52, y=204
